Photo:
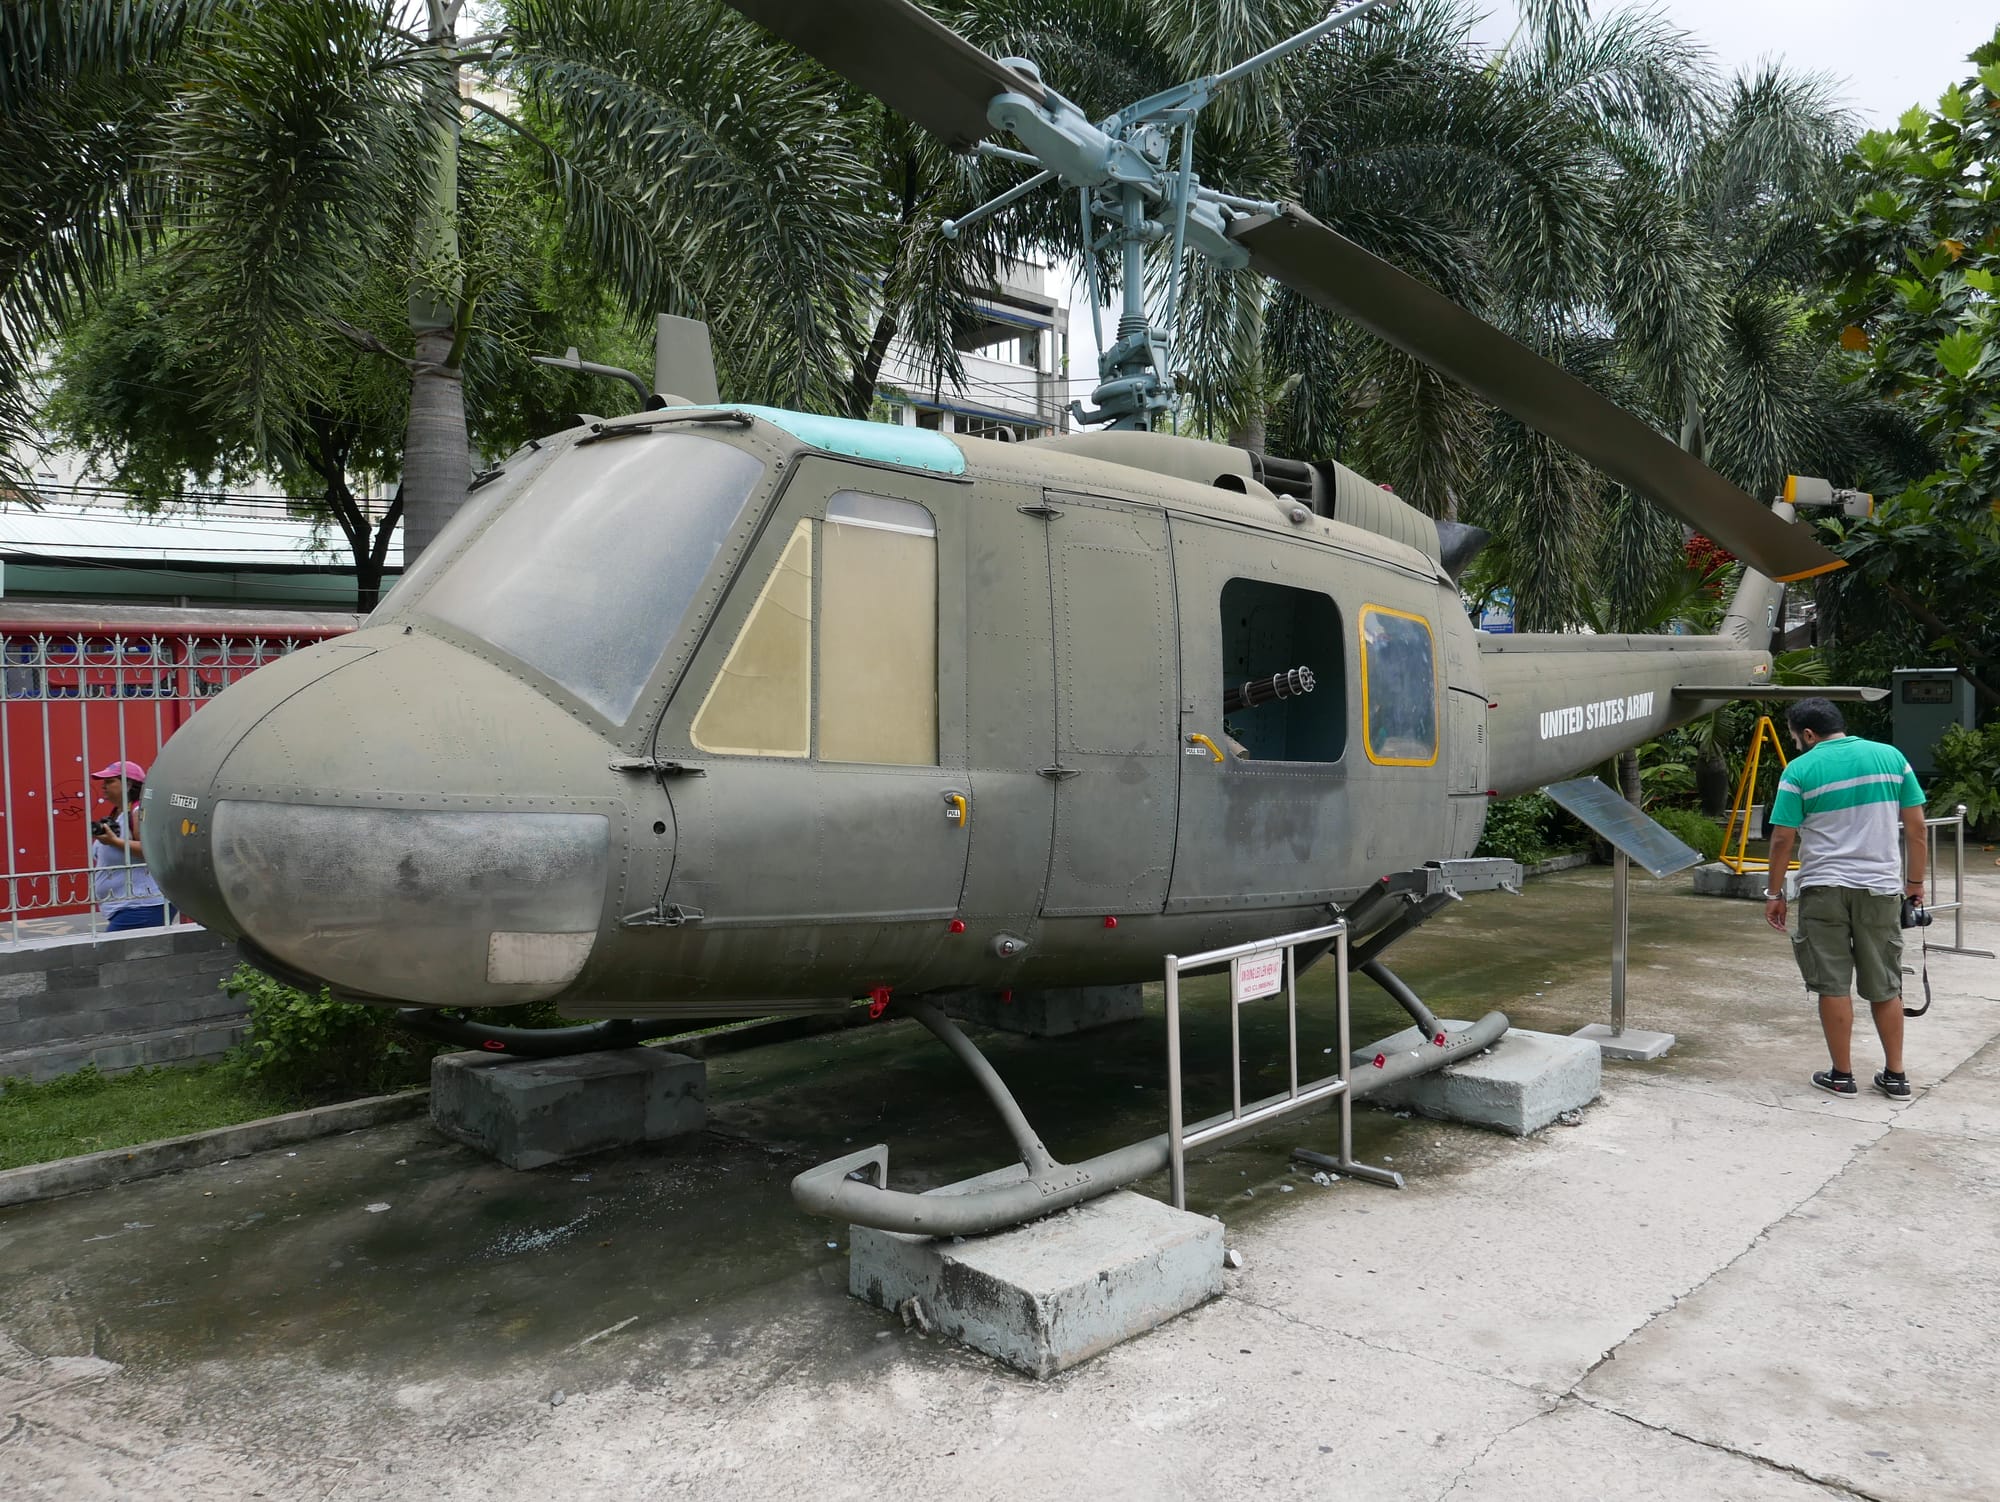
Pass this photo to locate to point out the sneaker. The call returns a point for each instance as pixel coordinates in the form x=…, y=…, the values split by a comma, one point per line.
x=1893, y=1085
x=1839, y=1081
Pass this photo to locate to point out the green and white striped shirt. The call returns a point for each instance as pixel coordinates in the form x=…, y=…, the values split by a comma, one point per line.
x=1843, y=797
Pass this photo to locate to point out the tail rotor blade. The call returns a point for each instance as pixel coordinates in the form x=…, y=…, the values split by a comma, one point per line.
x=916, y=65
x=1318, y=263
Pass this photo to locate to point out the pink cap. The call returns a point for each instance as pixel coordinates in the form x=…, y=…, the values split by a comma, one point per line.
x=129, y=769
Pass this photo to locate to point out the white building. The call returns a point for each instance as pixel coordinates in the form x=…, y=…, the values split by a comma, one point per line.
x=1016, y=365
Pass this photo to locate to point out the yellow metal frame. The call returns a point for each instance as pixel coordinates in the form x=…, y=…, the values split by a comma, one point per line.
x=1367, y=737
x=1738, y=827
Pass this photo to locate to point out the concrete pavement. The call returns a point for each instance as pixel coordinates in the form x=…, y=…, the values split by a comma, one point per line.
x=1722, y=1284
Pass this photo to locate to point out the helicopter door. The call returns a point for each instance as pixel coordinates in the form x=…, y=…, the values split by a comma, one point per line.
x=1265, y=816
x=1116, y=768
x=833, y=800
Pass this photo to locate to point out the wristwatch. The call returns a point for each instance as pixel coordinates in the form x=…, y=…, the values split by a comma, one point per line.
x=1770, y=896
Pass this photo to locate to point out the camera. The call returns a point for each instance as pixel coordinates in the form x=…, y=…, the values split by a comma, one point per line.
x=1914, y=915
x=100, y=828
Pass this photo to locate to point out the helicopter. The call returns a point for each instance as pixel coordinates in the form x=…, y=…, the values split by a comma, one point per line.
x=722, y=710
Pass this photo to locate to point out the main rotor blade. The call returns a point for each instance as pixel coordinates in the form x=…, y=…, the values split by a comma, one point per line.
x=916, y=65
x=1296, y=249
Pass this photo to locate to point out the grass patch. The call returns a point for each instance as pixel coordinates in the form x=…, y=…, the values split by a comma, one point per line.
x=87, y=1112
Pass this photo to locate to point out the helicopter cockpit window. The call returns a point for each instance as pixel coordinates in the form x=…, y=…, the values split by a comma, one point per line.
x=878, y=632
x=877, y=575
x=587, y=575
x=761, y=702
x=1399, y=687
x=1284, y=694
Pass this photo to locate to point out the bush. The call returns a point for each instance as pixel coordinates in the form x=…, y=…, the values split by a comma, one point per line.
x=1519, y=829
x=1693, y=829
x=320, y=1049
x=1968, y=772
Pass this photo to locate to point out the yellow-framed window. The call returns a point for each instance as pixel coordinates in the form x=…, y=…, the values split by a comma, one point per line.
x=1399, y=708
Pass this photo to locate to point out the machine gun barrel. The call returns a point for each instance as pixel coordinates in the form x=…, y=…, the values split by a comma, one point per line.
x=1257, y=691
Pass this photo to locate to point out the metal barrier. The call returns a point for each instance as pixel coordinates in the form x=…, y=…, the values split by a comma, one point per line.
x=76, y=699
x=1258, y=970
x=1956, y=907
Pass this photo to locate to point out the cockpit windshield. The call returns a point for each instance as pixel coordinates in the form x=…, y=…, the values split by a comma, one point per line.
x=587, y=575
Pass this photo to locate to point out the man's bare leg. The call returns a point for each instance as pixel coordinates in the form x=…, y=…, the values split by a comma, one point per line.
x=1888, y=1027
x=1836, y=1020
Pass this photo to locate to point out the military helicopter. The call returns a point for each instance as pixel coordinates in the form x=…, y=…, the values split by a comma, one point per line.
x=719, y=710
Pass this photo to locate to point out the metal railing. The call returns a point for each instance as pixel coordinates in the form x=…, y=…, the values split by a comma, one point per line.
x=74, y=701
x=1956, y=907
x=1254, y=970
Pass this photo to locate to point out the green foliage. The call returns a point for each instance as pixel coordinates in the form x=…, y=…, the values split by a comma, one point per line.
x=1695, y=830
x=1968, y=772
x=87, y=1112
x=1914, y=261
x=1520, y=829
x=317, y=1048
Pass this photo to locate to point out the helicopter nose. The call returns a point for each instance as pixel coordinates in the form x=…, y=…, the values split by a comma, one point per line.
x=390, y=821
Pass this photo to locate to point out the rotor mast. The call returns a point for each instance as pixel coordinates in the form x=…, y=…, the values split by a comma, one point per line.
x=1128, y=182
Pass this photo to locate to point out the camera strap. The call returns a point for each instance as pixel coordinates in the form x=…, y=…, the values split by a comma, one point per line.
x=1924, y=960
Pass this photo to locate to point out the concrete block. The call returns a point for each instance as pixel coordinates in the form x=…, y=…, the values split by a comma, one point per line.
x=531, y=1112
x=1519, y=1085
x=1717, y=880
x=1046, y=1296
x=24, y=983
x=1048, y=1014
x=1632, y=1043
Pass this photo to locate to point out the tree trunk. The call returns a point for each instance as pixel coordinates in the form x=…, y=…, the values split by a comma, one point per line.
x=437, y=459
x=1628, y=777
x=1711, y=781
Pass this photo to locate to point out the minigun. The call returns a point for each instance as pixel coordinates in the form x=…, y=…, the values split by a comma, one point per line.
x=1257, y=691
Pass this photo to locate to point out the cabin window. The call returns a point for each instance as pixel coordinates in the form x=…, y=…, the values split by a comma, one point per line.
x=761, y=702
x=1270, y=630
x=876, y=573
x=1399, y=687
x=878, y=640
x=587, y=574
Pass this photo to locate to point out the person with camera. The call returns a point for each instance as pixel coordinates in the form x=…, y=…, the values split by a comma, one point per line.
x=1841, y=803
x=123, y=888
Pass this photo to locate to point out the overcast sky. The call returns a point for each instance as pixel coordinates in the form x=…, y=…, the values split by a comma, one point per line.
x=1886, y=57
x=1883, y=57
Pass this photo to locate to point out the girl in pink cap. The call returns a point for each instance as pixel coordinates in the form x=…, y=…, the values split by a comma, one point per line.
x=124, y=889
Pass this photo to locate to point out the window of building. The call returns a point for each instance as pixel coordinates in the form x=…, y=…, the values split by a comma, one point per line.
x=761, y=701
x=1399, y=687
x=877, y=645
x=878, y=638
x=1269, y=631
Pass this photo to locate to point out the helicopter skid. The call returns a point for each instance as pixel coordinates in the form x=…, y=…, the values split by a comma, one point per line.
x=854, y=1188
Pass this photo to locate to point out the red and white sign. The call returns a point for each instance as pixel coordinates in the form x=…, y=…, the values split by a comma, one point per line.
x=1255, y=975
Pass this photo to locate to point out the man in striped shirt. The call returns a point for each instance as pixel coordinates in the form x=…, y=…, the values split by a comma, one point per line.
x=1841, y=803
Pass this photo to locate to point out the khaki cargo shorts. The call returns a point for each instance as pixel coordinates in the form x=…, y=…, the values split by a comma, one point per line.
x=1849, y=942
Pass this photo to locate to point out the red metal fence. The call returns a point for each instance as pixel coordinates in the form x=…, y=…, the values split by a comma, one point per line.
x=85, y=688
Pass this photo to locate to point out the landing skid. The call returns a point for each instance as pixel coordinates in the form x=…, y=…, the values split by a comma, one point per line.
x=854, y=1189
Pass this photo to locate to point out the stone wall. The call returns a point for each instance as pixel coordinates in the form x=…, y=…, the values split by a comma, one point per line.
x=118, y=1001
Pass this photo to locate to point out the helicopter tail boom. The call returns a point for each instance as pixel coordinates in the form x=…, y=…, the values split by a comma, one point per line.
x=1562, y=704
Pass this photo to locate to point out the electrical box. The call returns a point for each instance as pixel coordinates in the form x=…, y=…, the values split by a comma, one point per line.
x=1924, y=703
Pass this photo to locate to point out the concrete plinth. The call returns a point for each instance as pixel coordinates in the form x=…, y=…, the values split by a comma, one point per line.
x=1046, y=1296
x=1717, y=880
x=530, y=1112
x=1633, y=1043
x=1519, y=1085
x=1048, y=1014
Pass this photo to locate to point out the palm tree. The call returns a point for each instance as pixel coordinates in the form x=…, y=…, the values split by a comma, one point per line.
x=283, y=153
